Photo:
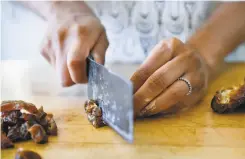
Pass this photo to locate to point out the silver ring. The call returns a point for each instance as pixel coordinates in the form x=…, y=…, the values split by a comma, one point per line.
x=188, y=84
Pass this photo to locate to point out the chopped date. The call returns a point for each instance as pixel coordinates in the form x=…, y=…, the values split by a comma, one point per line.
x=94, y=113
x=19, y=132
x=52, y=127
x=17, y=125
x=11, y=105
x=14, y=133
x=95, y=121
x=4, y=126
x=12, y=118
x=26, y=154
x=5, y=142
x=38, y=134
x=28, y=117
x=229, y=100
x=41, y=114
x=90, y=105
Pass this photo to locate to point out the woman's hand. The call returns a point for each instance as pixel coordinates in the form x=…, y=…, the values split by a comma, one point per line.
x=73, y=34
x=156, y=88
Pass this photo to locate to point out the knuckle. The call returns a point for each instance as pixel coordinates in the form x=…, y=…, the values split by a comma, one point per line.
x=80, y=30
x=162, y=43
x=62, y=33
x=174, y=42
x=162, y=47
x=176, y=46
x=142, y=73
x=187, y=55
x=157, y=81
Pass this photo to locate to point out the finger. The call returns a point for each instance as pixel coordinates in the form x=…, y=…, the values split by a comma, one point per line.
x=63, y=72
x=48, y=53
x=99, y=50
x=45, y=54
x=79, y=51
x=76, y=61
x=61, y=58
x=174, y=94
x=46, y=45
x=162, y=53
x=182, y=105
x=159, y=81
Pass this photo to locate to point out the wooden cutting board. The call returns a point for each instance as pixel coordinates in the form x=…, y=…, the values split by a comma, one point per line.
x=196, y=134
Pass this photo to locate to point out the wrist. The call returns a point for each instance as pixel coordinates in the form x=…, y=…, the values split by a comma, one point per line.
x=210, y=51
x=209, y=55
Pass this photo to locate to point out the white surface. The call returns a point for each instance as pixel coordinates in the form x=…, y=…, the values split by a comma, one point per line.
x=23, y=32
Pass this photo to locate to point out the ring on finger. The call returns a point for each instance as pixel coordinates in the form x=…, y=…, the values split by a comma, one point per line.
x=188, y=84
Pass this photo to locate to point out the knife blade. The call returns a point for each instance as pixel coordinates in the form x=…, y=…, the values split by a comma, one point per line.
x=115, y=97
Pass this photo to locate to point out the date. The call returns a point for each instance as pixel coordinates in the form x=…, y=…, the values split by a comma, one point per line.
x=94, y=113
x=26, y=154
x=229, y=99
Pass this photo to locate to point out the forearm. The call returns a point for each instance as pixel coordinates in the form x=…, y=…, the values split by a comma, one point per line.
x=221, y=34
x=49, y=9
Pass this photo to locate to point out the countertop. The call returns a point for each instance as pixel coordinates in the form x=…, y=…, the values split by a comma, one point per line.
x=196, y=134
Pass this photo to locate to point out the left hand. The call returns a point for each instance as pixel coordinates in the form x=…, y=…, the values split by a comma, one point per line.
x=156, y=85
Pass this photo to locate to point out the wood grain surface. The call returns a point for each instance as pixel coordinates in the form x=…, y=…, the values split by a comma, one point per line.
x=196, y=134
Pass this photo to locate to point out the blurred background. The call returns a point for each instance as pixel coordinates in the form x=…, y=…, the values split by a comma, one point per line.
x=133, y=28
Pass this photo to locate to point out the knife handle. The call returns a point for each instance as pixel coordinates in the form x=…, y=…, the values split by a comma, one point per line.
x=89, y=58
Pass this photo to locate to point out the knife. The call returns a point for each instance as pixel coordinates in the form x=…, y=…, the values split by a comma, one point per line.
x=115, y=97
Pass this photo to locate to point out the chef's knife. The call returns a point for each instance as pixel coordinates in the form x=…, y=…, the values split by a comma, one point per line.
x=115, y=97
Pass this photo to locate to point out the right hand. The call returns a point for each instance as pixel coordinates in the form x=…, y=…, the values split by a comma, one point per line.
x=70, y=39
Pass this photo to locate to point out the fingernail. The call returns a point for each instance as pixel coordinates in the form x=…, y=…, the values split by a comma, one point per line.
x=147, y=110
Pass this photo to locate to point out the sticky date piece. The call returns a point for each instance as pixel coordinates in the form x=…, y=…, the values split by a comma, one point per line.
x=38, y=134
x=228, y=100
x=5, y=141
x=11, y=105
x=26, y=154
x=4, y=126
x=94, y=113
x=19, y=132
x=12, y=118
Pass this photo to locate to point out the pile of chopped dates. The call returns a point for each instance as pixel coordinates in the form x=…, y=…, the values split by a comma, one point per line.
x=23, y=121
x=94, y=113
x=229, y=99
